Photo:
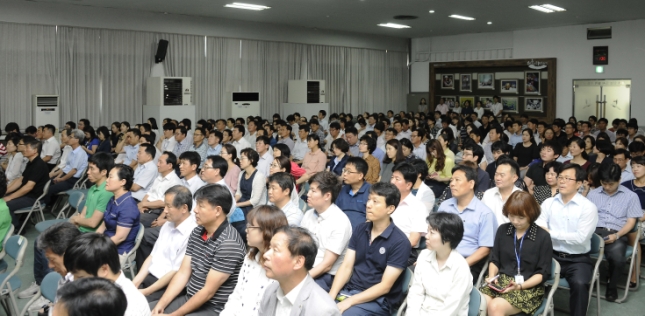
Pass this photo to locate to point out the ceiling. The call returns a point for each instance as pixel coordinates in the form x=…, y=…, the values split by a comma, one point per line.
x=362, y=16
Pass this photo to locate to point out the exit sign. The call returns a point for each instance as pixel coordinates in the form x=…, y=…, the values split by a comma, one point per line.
x=601, y=55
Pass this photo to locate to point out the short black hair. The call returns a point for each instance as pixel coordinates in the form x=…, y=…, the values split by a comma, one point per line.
x=215, y=195
x=371, y=143
x=604, y=146
x=187, y=122
x=90, y=251
x=636, y=147
x=58, y=237
x=314, y=137
x=150, y=150
x=301, y=243
x=125, y=172
x=554, y=145
x=86, y=122
x=169, y=127
x=182, y=129
x=622, y=151
x=13, y=126
x=408, y=171
x=387, y=190
x=581, y=174
x=449, y=226
x=33, y=143
x=240, y=128
x=351, y=130
x=556, y=165
x=263, y=139
x=610, y=172
x=52, y=128
x=172, y=159
x=135, y=131
x=102, y=160
x=422, y=168
x=193, y=157
x=515, y=167
x=340, y=144
x=92, y=296
x=471, y=173
x=218, y=163
x=251, y=155
x=476, y=149
x=283, y=179
x=359, y=163
x=328, y=182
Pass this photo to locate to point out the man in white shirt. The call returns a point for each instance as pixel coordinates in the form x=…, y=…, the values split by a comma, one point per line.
x=239, y=142
x=167, y=142
x=334, y=133
x=51, y=148
x=328, y=224
x=95, y=255
x=288, y=260
x=571, y=220
x=146, y=172
x=74, y=168
x=322, y=120
x=602, y=127
x=265, y=153
x=416, y=138
x=132, y=139
x=188, y=163
x=199, y=145
x=152, y=204
x=423, y=192
x=405, y=129
x=410, y=215
x=621, y=158
x=300, y=148
x=168, y=252
x=496, y=107
x=251, y=133
x=281, y=185
x=505, y=176
x=284, y=134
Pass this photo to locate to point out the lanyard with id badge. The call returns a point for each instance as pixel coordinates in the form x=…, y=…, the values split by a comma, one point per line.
x=519, y=278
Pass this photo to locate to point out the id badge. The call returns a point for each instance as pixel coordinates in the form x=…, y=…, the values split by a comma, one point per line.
x=519, y=279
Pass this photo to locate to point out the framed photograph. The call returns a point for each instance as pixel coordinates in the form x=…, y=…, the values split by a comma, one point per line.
x=486, y=81
x=508, y=86
x=486, y=101
x=509, y=104
x=532, y=82
x=465, y=82
x=450, y=101
x=447, y=81
x=469, y=99
x=533, y=105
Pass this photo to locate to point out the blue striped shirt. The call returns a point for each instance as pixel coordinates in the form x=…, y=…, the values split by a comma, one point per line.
x=615, y=209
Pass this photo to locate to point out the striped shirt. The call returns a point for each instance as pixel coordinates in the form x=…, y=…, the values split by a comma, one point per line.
x=222, y=252
x=615, y=209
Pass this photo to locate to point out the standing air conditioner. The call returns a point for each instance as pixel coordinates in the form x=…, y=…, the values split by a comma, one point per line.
x=45, y=110
x=306, y=91
x=245, y=104
x=169, y=91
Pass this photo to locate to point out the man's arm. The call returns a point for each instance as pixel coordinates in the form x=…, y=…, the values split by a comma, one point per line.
x=214, y=280
x=65, y=177
x=177, y=284
x=377, y=290
x=47, y=158
x=343, y=274
x=92, y=222
x=14, y=185
x=22, y=191
x=325, y=265
x=623, y=231
x=478, y=255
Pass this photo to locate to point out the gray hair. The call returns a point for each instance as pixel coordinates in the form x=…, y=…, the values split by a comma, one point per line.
x=78, y=134
x=182, y=196
x=57, y=237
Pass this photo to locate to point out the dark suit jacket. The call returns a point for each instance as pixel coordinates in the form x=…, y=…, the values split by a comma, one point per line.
x=338, y=170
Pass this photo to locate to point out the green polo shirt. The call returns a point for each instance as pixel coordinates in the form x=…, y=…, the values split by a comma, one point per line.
x=97, y=200
x=5, y=221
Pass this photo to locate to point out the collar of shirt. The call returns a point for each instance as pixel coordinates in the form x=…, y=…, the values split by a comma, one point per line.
x=360, y=190
x=471, y=206
x=385, y=234
x=217, y=232
x=292, y=295
x=186, y=227
x=170, y=176
x=95, y=188
x=77, y=150
x=576, y=199
x=621, y=189
x=147, y=164
x=327, y=213
x=432, y=259
x=200, y=145
x=499, y=194
x=216, y=147
x=531, y=233
x=122, y=198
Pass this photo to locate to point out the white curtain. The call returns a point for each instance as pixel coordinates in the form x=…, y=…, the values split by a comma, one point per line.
x=27, y=67
x=330, y=63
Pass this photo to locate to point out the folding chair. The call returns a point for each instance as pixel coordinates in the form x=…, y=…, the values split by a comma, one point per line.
x=78, y=205
x=304, y=188
x=3, y=264
x=82, y=179
x=48, y=289
x=38, y=207
x=477, y=305
x=407, y=278
x=16, y=247
x=129, y=263
x=597, y=251
x=482, y=273
x=74, y=199
x=547, y=308
x=302, y=205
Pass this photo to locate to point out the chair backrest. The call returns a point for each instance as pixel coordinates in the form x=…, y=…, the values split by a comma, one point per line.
x=407, y=278
x=9, y=234
x=302, y=205
x=597, y=246
x=45, y=190
x=304, y=188
x=75, y=198
x=475, y=302
x=16, y=246
x=49, y=286
x=137, y=240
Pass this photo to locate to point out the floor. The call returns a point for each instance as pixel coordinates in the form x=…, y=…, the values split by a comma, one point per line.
x=635, y=304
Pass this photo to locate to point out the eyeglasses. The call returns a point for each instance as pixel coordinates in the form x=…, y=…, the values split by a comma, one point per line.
x=345, y=171
x=207, y=167
x=21, y=144
x=250, y=227
x=561, y=178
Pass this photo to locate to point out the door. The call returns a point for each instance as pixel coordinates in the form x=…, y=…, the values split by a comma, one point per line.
x=608, y=98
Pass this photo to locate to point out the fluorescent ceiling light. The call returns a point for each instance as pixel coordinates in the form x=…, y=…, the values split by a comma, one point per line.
x=246, y=6
x=394, y=25
x=542, y=9
x=554, y=8
x=489, y=23
x=431, y=11
x=461, y=17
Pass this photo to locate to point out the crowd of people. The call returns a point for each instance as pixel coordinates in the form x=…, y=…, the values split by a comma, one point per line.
x=450, y=195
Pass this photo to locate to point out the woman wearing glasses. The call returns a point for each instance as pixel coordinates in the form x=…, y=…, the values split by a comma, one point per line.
x=253, y=190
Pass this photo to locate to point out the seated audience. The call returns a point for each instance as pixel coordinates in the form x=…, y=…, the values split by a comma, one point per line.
x=239, y=141
x=314, y=161
x=130, y=147
x=74, y=168
x=621, y=158
x=105, y=144
x=199, y=145
x=300, y=147
x=481, y=223
x=330, y=226
x=214, y=143
x=145, y=173
x=525, y=151
x=637, y=186
x=188, y=163
x=420, y=189
x=439, y=167
x=410, y=212
x=232, y=178
x=214, y=256
x=507, y=173
x=164, y=261
x=280, y=192
x=551, y=189
x=51, y=148
x=521, y=273
x=366, y=147
x=576, y=149
x=167, y=142
x=369, y=281
x=91, y=296
x=252, y=280
x=121, y=217
x=283, y=164
x=571, y=219
x=550, y=151
x=475, y=153
x=440, y=264
x=265, y=155
x=339, y=147
x=289, y=257
x=353, y=195
x=152, y=204
x=618, y=210
x=15, y=163
x=283, y=150
x=252, y=190
x=95, y=255
x=183, y=139
x=393, y=156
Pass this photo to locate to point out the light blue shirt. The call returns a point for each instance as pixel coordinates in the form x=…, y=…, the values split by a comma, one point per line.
x=515, y=139
x=626, y=175
x=214, y=151
x=480, y=225
x=77, y=159
x=570, y=225
x=130, y=153
x=182, y=146
x=615, y=209
x=144, y=176
x=201, y=150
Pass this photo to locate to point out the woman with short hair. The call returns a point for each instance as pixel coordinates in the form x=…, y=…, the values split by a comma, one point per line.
x=543, y=192
x=253, y=190
x=339, y=147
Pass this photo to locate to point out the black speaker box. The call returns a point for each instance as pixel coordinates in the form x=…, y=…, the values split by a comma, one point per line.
x=161, y=51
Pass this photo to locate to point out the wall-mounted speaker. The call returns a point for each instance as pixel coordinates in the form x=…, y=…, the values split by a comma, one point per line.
x=161, y=51
x=599, y=33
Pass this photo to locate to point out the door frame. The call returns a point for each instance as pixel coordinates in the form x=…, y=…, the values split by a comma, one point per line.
x=573, y=95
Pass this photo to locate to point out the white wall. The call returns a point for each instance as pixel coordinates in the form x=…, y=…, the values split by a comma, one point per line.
x=20, y=11
x=568, y=44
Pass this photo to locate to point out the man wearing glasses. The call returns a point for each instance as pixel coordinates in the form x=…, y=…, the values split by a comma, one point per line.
x=199, y=145
x=417, y=141
x=352, y=198
x=571, y=220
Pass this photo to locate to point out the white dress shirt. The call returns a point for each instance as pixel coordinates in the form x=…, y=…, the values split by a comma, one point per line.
x=137, y=303
x=63, y=157
x=193, y=184
x=51, y=147
x=426, y=196
x=16, y=166
x=252, y=281
x=264, y=163
x=293, y=213
x=241, y=144
x=161, y=185
x=144, y=176
x=410, y=216
x=570, y=225
x=285, y=302
x=440, y=291
x=497, y=109
x=332, y=231
x=300, y=149
x=420, y=151
x=493, y=199
x=168, y=144
x=251, y=139
x=169, y=249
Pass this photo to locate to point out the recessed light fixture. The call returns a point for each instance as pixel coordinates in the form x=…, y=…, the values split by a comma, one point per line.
x=246, y=6
x=547, y=8
x=394, y=25
x=431, y=11
x=461, y=17
x=489, y=23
